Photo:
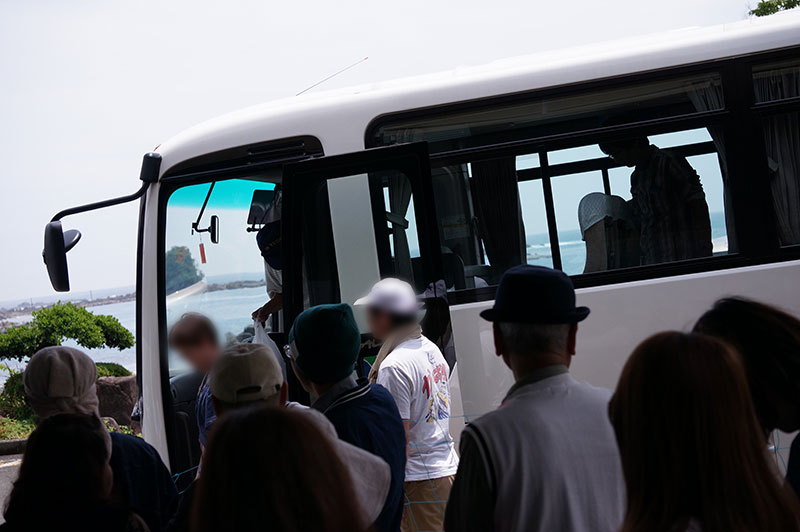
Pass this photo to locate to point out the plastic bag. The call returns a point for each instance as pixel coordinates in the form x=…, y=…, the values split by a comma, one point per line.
x=261, y=337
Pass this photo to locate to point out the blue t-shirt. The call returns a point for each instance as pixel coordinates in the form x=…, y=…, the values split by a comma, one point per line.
x=204, y=410
x=367, y=417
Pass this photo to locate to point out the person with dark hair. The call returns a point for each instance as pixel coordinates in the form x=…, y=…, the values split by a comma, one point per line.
x=268, y=239
x=769, y=341
x=269, y=468
x=546, y=460
x=324, y=343
x=194, y=337
x=416, y=374
x=62, y=380
x=65, y=481
x=667, y=199
x=247, y=377
x=692, y=453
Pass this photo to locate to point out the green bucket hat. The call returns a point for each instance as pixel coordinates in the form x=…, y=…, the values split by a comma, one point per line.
x=326, y=342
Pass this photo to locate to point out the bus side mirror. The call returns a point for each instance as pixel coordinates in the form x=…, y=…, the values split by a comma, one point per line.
x=214, y=229
x=56, y=244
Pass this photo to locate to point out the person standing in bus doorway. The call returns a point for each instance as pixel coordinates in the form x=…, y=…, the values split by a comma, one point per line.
x=194, y=338
x=547, y=459
x=268, y=239
x=667, y=199
x=324, y=343
x=414, y=371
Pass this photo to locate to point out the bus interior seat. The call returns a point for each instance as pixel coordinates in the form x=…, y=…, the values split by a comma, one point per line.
x=454, y=272
x=609, y=230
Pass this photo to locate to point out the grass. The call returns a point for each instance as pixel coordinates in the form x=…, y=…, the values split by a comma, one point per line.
x=13, y=429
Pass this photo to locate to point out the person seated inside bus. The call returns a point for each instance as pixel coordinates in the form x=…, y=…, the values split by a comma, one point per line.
x=668, y=201
x=268, y=239
x=609, y=229
x=194, y=338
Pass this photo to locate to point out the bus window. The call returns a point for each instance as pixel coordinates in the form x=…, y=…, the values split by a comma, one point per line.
x=618, y=204
x=775, y=82
x=401, y=226
x=537, y=239
x=557, y=114
x=224, y=281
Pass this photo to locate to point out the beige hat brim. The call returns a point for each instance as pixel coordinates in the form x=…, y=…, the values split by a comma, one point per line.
x=371, y=475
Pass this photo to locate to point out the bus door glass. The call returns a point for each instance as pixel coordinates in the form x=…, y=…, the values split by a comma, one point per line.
x=351, y=220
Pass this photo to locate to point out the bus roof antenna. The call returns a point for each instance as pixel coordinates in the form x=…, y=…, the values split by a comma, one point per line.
x=332, y=76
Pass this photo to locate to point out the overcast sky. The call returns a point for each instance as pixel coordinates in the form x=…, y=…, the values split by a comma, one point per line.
x=88, y=87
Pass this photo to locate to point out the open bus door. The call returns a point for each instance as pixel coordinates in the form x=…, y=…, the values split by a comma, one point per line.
x=351, y=220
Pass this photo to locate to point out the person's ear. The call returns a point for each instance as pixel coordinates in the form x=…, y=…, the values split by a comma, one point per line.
x=499, y=341
x=283, y=395
x=302, y=378
x=572, y=339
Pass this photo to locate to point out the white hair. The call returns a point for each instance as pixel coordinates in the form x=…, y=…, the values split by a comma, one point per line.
x=535, y=338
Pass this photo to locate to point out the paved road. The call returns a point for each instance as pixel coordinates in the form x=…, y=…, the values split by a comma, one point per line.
x=9, y=466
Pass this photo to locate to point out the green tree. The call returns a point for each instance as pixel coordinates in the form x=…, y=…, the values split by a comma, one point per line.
x=181, y=270
x=770, y=7
x=52, y=325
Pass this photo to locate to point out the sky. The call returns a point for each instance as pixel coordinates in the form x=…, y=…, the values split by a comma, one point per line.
x=87, y=87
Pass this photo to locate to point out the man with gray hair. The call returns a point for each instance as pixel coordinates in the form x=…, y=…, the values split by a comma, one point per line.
x=62, y=380
x=547, y=459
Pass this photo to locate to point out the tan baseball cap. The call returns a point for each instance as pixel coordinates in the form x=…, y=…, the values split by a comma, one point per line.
x=245, y=373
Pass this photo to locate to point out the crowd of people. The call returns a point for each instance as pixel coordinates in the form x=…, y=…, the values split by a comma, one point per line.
x=681, y=445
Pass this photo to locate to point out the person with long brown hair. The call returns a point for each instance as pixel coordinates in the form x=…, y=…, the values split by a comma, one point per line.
x=269, y=468
x=692, y=452
x=769, y=341
x=65, y=481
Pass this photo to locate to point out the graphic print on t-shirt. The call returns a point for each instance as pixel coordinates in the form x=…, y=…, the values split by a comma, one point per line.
x=438, y=402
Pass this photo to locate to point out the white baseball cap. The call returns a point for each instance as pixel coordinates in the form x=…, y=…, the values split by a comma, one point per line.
x=392, y=295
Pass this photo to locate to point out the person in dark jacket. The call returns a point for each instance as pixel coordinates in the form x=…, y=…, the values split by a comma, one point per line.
x=65, y=481
x=324, y=346
x=62, y=380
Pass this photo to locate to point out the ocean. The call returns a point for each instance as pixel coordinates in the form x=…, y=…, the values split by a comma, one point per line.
x=230, y=309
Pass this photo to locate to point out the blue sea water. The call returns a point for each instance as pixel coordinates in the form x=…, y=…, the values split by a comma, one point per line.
x=573, y=248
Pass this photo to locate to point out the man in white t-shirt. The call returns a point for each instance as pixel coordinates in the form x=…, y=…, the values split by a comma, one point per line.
x=414, y=371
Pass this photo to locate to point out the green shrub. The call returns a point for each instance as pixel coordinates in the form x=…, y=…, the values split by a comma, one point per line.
x=112, y=369
x=52, y=325
x=12, y=397
x=13, y=429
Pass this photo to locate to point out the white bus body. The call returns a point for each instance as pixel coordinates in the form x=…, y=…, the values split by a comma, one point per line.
x=625, y=310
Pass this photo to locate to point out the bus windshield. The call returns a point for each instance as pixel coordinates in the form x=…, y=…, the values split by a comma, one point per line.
x=226, y=280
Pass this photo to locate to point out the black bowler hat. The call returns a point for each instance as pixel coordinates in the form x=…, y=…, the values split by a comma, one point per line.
x=535, y=294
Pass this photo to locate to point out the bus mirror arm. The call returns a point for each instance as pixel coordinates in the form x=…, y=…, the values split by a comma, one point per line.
x=57, y=241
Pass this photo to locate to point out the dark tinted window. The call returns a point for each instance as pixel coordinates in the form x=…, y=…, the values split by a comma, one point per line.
x=540, y=117
x=776, y=82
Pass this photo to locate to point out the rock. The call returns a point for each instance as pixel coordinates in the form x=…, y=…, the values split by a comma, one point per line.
x=117, y=396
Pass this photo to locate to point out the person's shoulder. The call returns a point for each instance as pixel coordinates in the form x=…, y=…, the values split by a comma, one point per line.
x=130, y=445
x=597, y=392
x=414, y=348
x=382, y=397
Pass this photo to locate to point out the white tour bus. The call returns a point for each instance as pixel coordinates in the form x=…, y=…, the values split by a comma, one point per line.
x=447, y=180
